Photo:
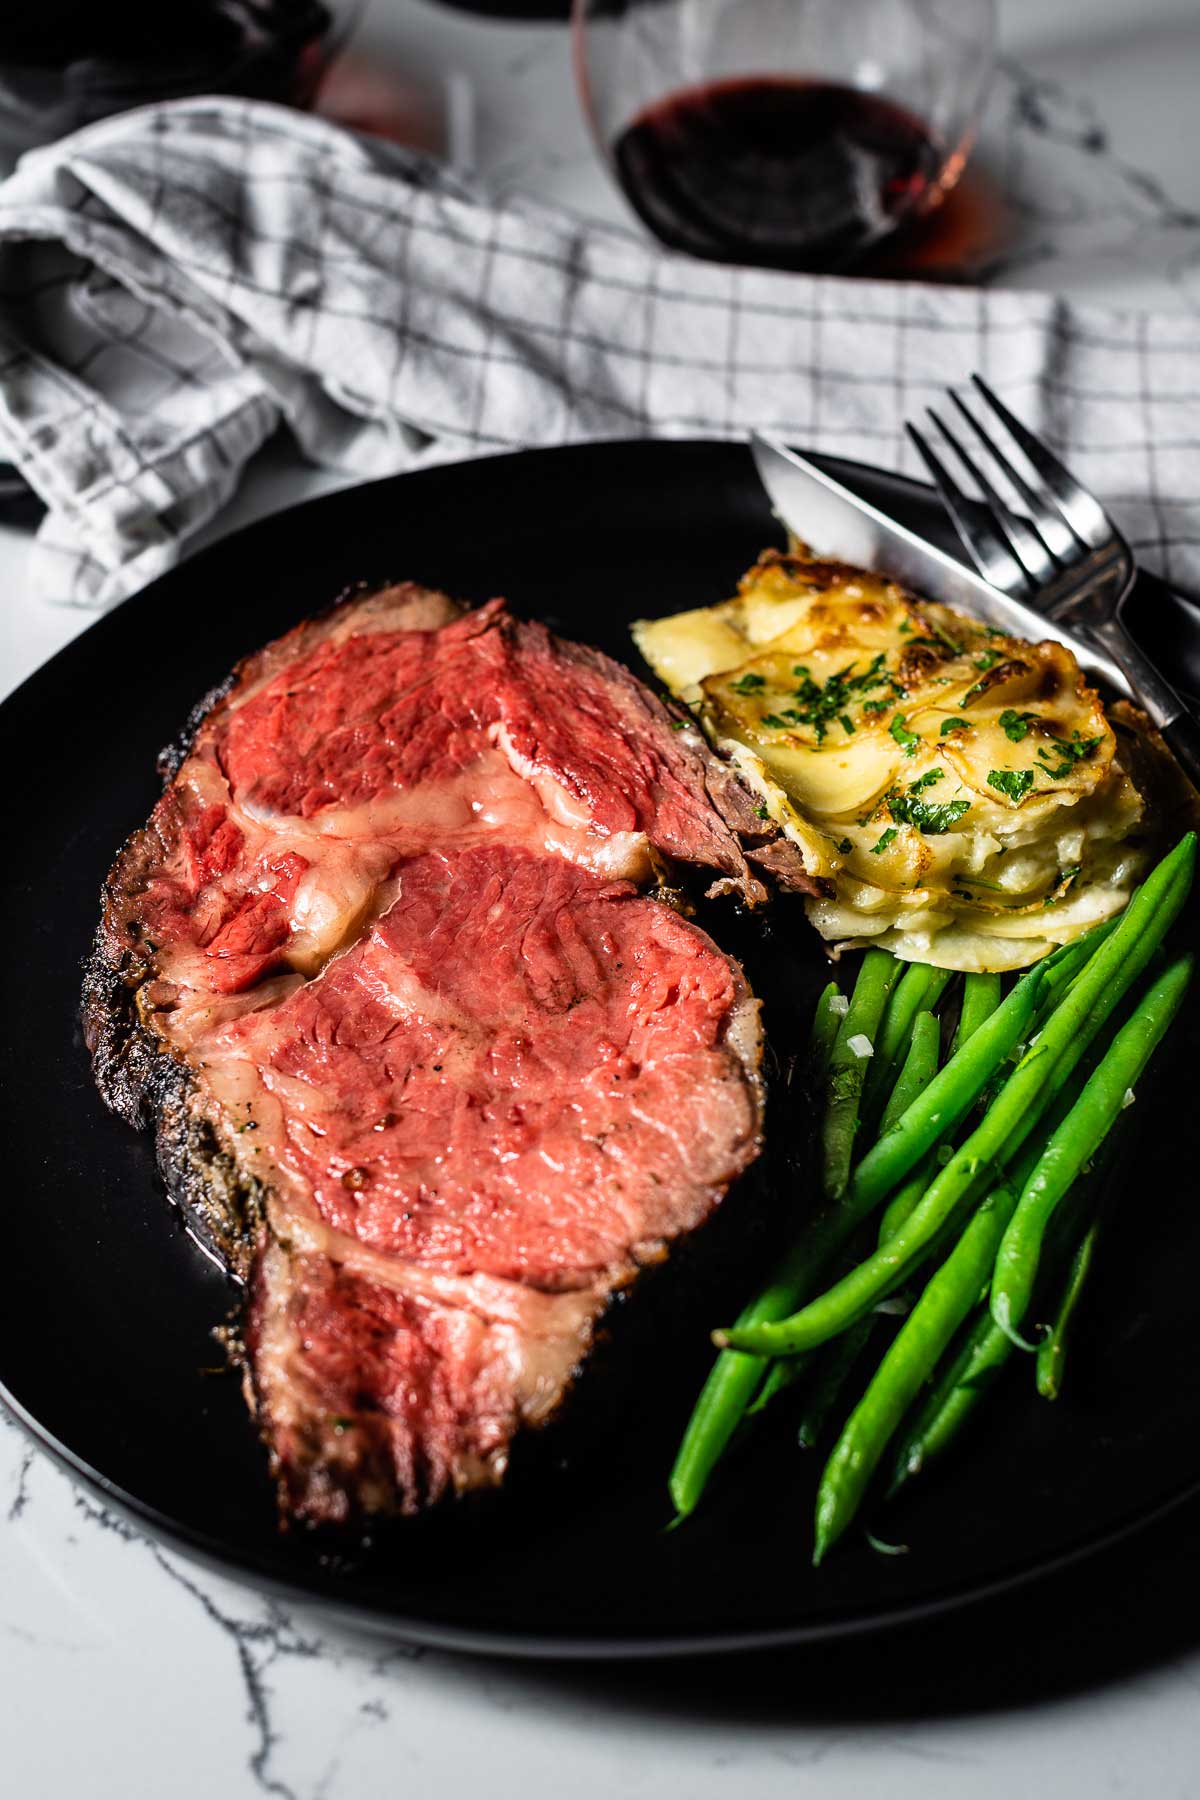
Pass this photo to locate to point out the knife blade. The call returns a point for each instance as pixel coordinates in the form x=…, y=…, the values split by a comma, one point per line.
x=835, y=522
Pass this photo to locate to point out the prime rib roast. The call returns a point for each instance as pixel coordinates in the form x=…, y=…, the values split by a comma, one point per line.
x=434, y=1065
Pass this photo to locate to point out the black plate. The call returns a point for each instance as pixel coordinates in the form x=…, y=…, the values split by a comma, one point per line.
x=105, y=1346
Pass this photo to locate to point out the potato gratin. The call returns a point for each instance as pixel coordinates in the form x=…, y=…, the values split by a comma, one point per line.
x=961, y=792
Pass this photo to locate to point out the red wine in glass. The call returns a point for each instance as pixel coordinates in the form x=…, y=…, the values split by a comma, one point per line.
x=779, y=173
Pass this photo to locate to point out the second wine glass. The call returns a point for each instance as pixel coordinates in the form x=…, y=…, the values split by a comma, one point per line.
x=792, y=134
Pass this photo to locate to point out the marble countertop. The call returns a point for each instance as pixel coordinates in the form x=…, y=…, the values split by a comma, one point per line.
x=126, y=1670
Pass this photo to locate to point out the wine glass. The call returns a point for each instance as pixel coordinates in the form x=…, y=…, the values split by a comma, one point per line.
x=794, y=134
x=67, y=63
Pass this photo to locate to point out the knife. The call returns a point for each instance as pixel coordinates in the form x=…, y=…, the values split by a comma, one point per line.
x=835, y=522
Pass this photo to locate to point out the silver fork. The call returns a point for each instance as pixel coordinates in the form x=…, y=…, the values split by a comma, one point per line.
x=1063, y=554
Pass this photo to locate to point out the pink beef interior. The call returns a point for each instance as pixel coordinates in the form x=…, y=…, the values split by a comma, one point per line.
x=388, y=916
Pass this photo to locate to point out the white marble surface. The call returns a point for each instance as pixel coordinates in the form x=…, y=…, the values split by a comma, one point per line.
x=125, y=1671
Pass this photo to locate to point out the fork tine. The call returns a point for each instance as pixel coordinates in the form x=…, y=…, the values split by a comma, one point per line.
x=993, y=558
x=1081, y=510
x=1053, y=532
x=1021, y=538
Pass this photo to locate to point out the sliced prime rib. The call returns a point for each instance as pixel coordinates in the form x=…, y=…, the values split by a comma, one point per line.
x=431, y=1066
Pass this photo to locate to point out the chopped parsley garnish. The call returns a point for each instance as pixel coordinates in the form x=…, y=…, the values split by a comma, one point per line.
x=1015, y=725
x=907, y=807
x=885, y=840
x=845, y=847
x=908, y=740
x=749, y=683
x=954, y=725
x=904, y=626
x=774, y=720
x=1066, y=881
x=820, y=704
x=926, y=780
x=846, y=723
x=761, y=810
x=1071, y=753
x=938, y=640
x=680, y=724
x=987, y=659
x=1015, y=783
x=874, y=706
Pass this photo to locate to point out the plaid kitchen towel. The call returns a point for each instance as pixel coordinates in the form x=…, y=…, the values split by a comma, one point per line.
x=177, y=282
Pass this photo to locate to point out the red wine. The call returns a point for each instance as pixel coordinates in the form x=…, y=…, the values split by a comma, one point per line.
x=788, y=174
x=66, y=63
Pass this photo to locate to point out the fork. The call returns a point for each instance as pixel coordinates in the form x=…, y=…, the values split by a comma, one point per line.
x=1063, y=554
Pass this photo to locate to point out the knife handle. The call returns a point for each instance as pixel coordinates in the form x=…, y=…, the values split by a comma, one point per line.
x=1167, y=710
x=1167, y=625
x=1182, y=738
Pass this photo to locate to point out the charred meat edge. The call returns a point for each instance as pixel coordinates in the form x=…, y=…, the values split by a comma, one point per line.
x=226, y=1208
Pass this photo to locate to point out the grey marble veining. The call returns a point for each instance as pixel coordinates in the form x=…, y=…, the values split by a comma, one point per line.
x=126, y=1666
x=126, y=1671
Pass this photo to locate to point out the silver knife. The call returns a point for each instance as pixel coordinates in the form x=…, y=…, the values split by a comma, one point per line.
x=835, y=522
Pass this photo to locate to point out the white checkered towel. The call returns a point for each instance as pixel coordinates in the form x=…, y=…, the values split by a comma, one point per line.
x=176, y=282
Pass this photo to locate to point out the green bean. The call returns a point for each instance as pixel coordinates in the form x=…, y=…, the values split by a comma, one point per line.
x=980, y=998
x=1077, y=1139
x=784, y=1372
x=735, y=1376
x=841, y=1354
x=1063, y=965
x=985, y=1350
x=948, y=1297
x=847, y=1069
x=918, y=1069
x=715, y=1417
x=1052, y=1351
x=730, y=1388
x=947, y=1099
x=874, y=1278
x=1066, y=1247
x=953, y=1399
x=1061, y=969
x=931, y=1116
x=1032, y=1087
x=920, y=1066
x=918, y=990
x=907, y=1198
x=824, y=1028
x=940, y=1413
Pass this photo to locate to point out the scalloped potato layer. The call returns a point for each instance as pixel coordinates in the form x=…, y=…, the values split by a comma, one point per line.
x=959, y=792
